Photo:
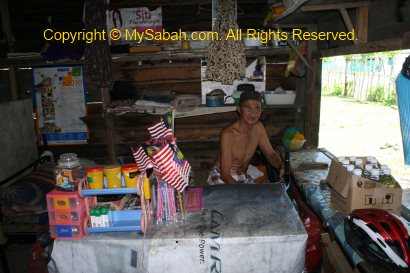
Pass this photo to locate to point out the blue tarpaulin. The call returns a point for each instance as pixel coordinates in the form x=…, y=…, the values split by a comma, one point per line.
x=403, y=102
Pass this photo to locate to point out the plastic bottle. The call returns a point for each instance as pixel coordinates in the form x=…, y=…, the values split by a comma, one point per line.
x=373, y=161
x=350, y=168
x=352, y=160
x=367, y=170
x=358, y=164
x=345, y=163
x=69, y=172
x=357, y=172
x=368, y=159
x=374, y=175
x=382, y=168
x=340, y=159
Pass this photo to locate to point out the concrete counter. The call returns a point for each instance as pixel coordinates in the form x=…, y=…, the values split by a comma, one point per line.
x=243, y=228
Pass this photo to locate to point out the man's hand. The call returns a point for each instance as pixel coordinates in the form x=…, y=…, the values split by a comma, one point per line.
x=282, y=172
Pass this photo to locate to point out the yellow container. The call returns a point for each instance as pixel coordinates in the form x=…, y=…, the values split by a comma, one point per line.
x=147, y=189
x=95, y=177
x=129, y=171
x=113, y=175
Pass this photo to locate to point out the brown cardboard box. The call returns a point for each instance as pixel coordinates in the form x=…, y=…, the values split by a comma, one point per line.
x=333, y=259
x=351, y=192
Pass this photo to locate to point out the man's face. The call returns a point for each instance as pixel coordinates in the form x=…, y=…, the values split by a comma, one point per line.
x=250, y=111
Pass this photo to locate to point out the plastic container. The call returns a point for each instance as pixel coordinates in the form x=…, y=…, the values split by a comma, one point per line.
x=113, y=176
x=293, y=145
x=147, y=189
x=251, y=42
x=274, y=98
x=129, y=171
x=95, y=177
x=67, y=213
x=120, y=220
x=69, y=172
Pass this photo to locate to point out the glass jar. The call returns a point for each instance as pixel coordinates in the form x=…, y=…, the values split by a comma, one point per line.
x=69, y=172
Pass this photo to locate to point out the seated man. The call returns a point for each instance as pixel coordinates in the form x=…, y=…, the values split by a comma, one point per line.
x=239, y=141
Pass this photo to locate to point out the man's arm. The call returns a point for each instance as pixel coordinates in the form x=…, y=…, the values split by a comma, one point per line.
x=266, y=147
x=226, y=156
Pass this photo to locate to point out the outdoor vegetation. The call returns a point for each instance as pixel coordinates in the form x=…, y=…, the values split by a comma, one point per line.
x=365, y=77
x=359, y=114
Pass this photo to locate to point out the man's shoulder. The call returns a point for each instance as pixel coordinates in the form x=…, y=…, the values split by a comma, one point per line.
x=228, y=129
x=259, y=126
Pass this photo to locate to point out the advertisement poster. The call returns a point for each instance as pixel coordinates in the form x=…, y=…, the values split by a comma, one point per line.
x=129, y=19
x=59, y=102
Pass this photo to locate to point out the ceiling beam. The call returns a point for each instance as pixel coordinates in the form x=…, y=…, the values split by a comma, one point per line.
x=5, y=20
x=336, y=6
x=369, y=47
x=142, y=3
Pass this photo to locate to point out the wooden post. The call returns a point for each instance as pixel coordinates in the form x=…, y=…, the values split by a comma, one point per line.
x=362, y=18
x=5, y=20
x=109, y=128
x=13, y=83
x=313, y=96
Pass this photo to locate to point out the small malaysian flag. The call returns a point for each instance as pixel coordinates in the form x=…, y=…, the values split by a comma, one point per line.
x=142, y=159
x=159, y=130
x=174, y=170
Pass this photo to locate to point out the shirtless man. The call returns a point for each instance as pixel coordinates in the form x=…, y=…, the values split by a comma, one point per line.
x=239, y=141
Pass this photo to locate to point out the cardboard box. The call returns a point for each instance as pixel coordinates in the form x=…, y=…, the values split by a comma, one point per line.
x=351, y=192
x=333, y=259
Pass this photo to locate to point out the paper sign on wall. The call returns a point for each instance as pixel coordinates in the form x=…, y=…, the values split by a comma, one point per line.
x=59, y=102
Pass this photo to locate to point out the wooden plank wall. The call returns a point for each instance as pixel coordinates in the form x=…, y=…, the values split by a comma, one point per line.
x=197, y=137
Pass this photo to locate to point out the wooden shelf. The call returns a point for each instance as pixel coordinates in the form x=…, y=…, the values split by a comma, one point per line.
x=206, y=110
x=152, y=56
x=281, y=106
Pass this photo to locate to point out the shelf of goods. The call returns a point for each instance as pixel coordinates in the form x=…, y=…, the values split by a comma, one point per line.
x=125, y=220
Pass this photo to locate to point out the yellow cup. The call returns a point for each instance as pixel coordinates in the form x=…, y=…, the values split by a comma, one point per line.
x=95, y=177
x=113, y=175
x=129, y=171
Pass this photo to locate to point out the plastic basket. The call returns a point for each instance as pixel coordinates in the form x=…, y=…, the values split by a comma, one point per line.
x=272, y=98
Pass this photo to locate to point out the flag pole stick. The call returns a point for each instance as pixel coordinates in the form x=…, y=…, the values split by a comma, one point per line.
x=180, y=204
x=173, y=121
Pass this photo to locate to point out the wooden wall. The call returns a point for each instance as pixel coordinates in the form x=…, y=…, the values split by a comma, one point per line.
x=197, y=137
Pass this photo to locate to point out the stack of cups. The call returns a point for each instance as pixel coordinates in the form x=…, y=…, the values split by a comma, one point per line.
x=113, y=176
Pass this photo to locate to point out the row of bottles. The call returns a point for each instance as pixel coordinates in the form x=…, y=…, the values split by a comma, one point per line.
x=369, y=169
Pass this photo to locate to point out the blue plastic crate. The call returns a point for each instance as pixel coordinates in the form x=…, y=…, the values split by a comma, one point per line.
x=124, y=220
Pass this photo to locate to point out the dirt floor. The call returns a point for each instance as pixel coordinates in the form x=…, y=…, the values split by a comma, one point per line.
x=348, y=127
